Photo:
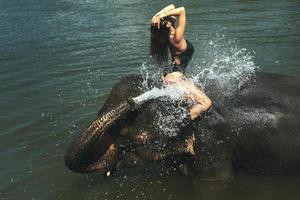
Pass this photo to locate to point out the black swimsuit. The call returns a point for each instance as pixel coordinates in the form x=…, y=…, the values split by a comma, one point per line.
x=184, y=59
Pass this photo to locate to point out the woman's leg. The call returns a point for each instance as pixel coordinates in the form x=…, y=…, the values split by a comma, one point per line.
x=203, y=102
x=196, y=110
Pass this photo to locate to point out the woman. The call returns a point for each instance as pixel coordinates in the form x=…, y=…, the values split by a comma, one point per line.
x=166, y=37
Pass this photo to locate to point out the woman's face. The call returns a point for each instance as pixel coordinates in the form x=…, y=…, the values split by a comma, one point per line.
x=169, y=24
x=171, y=20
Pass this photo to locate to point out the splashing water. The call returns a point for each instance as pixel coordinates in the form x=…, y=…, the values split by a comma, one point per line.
x=149, y=71
x=224, y=63
x=221, y=62
x=169, y=116
x=174, y=93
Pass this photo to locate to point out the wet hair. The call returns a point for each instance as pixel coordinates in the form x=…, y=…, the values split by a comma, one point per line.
x=159, y=43
x=171, y=19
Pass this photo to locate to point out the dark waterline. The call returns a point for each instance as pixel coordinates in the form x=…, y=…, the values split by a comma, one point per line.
x=59, y=60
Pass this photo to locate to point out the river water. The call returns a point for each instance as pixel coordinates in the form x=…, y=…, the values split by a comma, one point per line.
x=59, y=60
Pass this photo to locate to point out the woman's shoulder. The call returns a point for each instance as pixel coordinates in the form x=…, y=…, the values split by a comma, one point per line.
x=181, y=45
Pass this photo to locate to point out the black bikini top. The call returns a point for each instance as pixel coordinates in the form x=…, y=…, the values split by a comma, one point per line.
x=186, y=55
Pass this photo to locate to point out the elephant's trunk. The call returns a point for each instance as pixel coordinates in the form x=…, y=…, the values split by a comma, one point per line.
x=96, y=139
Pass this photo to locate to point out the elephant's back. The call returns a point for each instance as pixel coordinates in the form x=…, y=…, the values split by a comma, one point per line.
x=265, y=124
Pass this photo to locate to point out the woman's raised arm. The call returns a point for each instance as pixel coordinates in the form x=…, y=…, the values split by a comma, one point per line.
x=180, y=12
x=165, y=9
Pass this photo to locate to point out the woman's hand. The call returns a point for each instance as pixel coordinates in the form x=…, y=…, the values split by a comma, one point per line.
x=165, y=9
x=156, y=21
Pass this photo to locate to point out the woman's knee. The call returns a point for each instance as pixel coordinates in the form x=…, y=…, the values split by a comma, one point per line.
x=208, y=103
x=173, y=77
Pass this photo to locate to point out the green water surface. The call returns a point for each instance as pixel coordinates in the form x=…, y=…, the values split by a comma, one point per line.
x=59, y=60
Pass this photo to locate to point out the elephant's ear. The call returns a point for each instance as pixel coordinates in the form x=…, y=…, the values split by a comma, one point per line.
x=129, y=86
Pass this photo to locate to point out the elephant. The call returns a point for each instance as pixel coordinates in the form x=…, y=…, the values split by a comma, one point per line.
x=255, y=130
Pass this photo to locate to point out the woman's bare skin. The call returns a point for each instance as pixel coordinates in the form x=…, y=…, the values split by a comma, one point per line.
x=202, y=102
x=178, y=45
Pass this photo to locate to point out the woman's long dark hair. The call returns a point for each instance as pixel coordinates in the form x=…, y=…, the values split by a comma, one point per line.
x=159, y=44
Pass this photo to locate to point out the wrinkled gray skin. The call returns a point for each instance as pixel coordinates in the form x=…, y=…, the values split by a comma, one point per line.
x=256, y=130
